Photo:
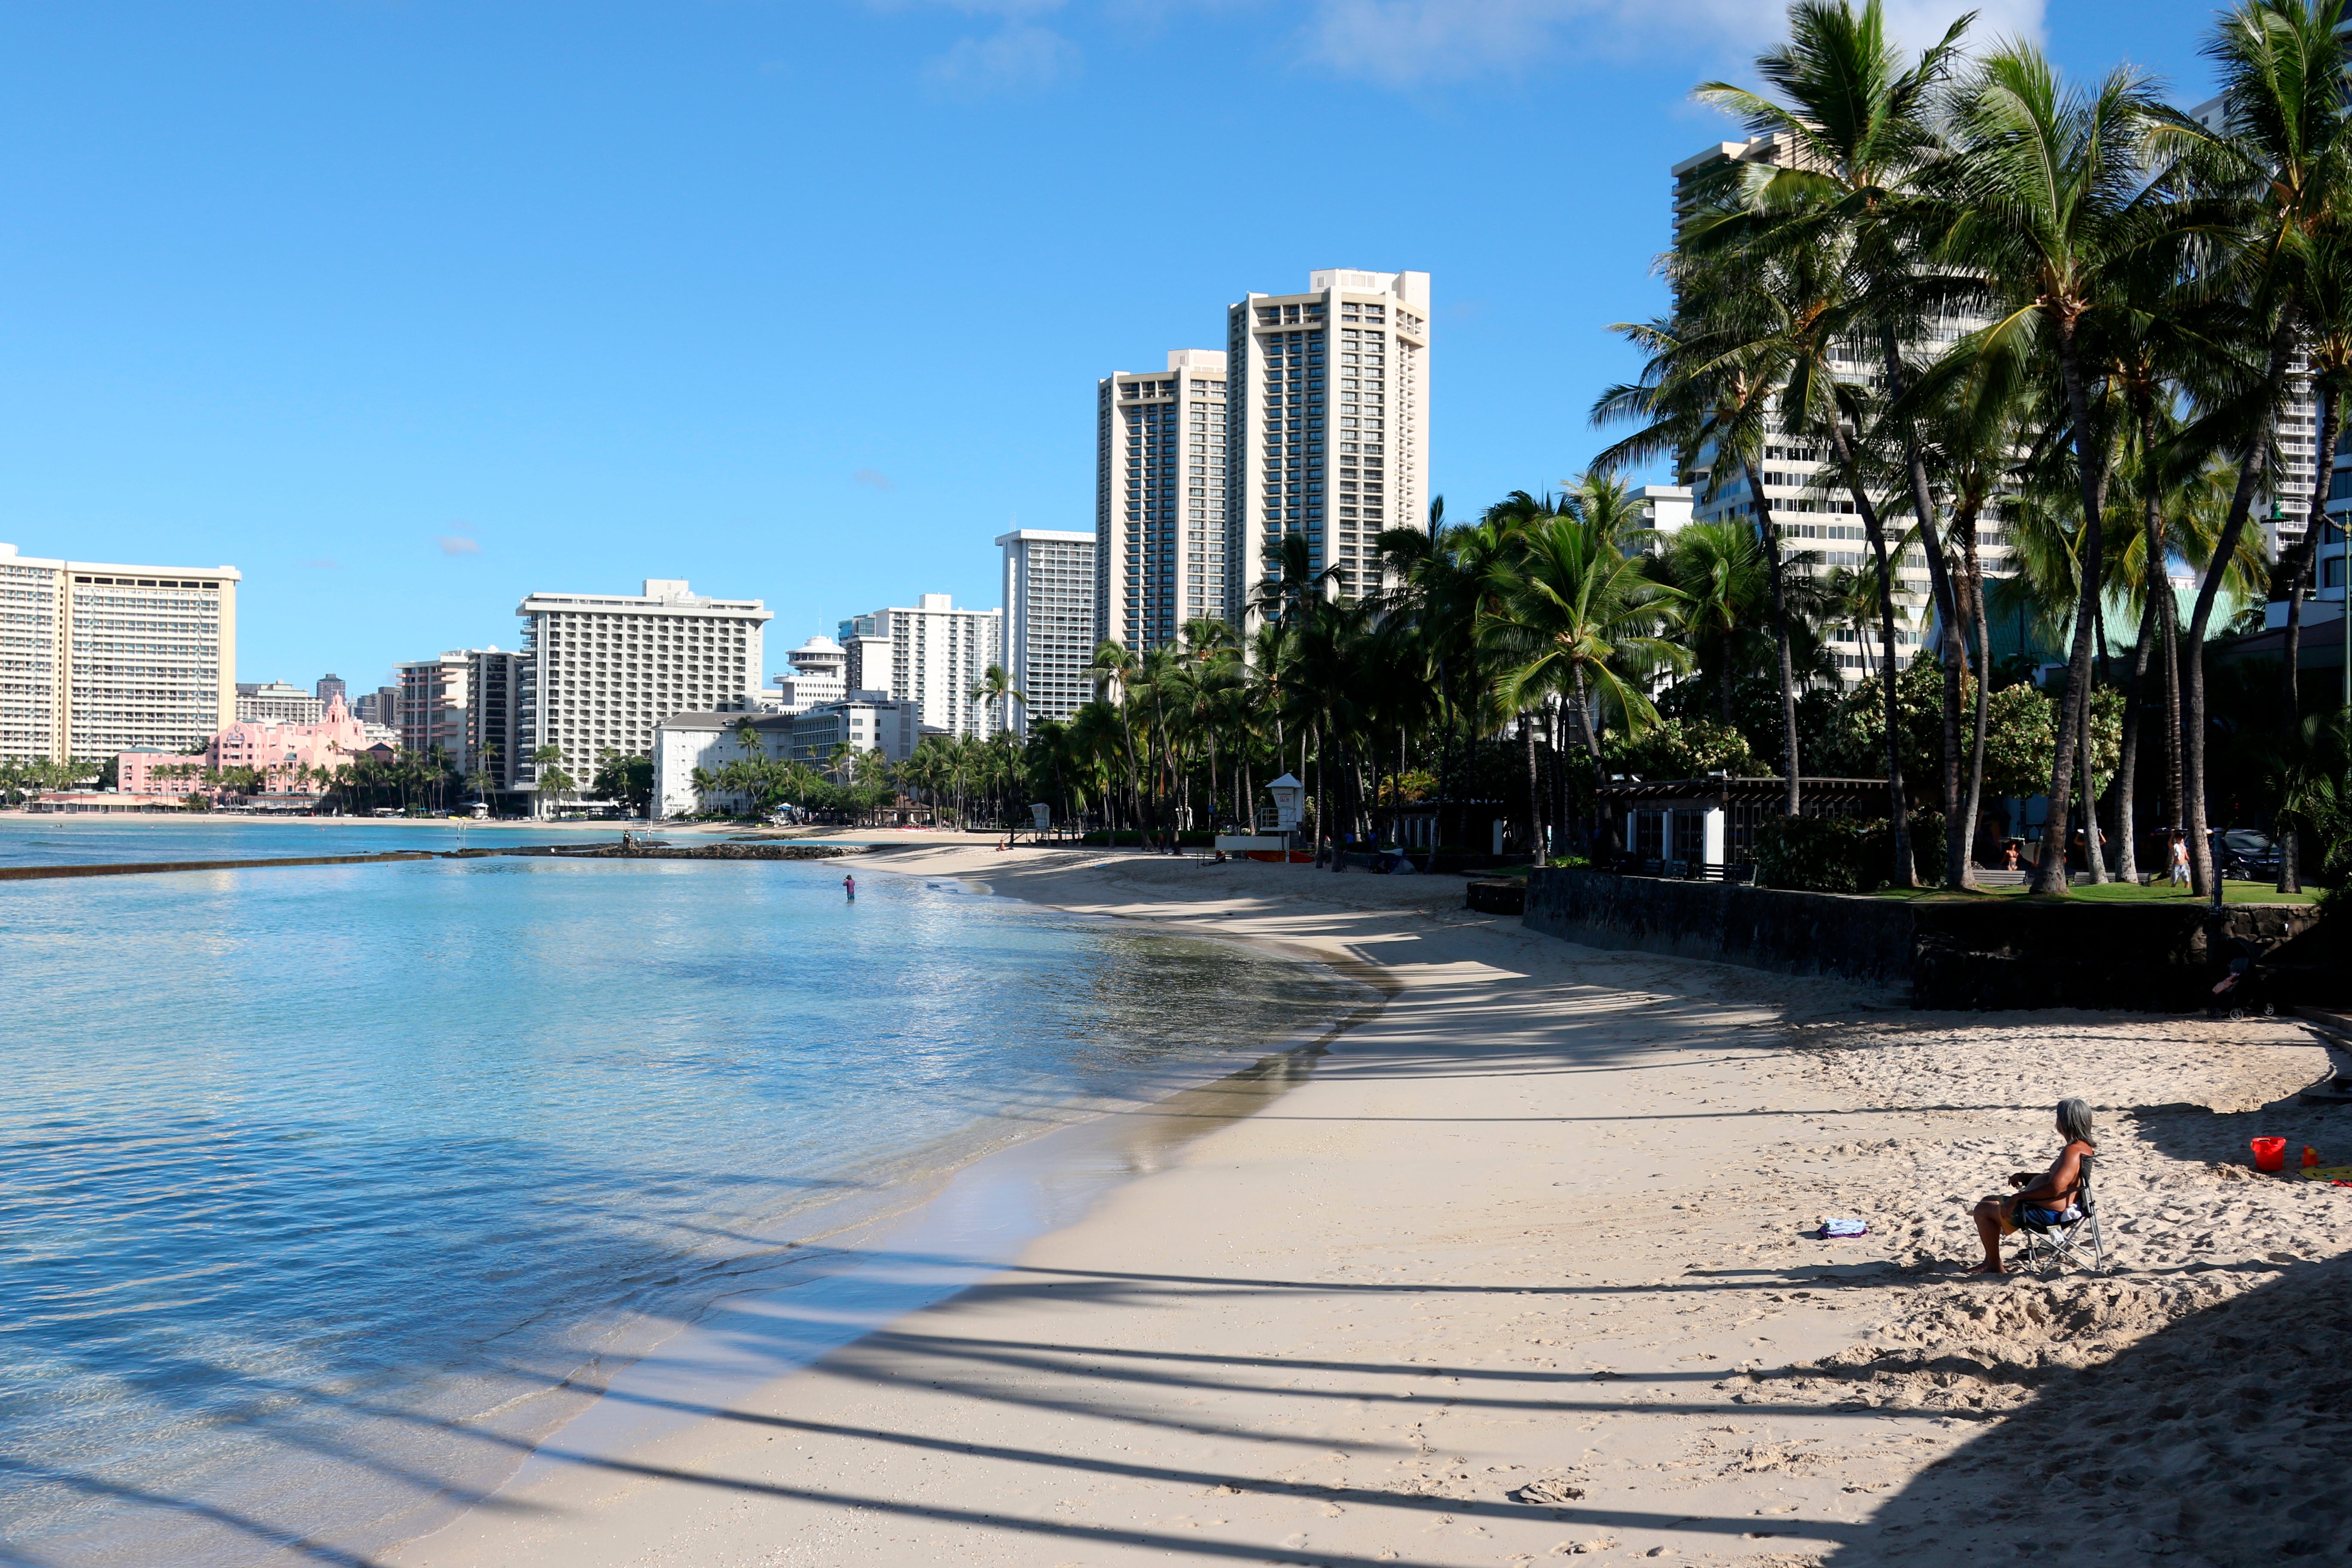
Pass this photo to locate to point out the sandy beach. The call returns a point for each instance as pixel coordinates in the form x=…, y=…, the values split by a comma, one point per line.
x=1521, y=1271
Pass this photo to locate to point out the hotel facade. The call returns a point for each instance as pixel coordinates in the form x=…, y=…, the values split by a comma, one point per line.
x=1049, y=622
x=931, y=653
x=599, y=671
x=1329, y=426
x=1802, y=500
x=1162, y=537
x=98, y=659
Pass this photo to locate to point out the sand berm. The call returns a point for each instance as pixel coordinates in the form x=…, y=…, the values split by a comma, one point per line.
x=1521, y=1271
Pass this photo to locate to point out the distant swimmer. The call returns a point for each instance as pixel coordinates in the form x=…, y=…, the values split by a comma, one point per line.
x=849, y=886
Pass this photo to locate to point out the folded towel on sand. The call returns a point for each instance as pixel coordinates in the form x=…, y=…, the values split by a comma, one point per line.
x=1838, y=1227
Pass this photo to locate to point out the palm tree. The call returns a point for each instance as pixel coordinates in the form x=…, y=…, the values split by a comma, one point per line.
x=1291, y=581
x=2279, y=170
x=1114, y=668
x=551, y=778
x=2046, y=200
x=1576, y=617
x=1834, y=215
x=996, y=689
x=2327, y=302
x=1721, y=571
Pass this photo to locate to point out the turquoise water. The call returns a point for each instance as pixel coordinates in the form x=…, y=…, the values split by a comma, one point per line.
x=298, y=1167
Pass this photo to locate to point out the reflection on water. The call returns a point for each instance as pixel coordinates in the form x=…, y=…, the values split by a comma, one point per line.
x=299, y=1166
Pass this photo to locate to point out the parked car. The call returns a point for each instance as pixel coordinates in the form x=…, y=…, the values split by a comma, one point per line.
x=2249, y=855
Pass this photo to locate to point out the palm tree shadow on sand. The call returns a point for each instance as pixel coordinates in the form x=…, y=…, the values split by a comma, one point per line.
x=2219, y=1440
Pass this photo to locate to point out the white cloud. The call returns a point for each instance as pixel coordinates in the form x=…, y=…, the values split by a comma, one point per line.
x=1403, y=43
x=456, y=543
x=875, y=477
x=1020, y=59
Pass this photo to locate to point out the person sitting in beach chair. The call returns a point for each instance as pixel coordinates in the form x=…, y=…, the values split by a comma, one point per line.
x=2048, y=1206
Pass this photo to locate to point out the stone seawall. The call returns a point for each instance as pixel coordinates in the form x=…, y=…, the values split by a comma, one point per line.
x=1966, y=955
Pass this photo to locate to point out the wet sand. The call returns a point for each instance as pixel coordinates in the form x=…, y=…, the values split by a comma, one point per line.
x=1521, y=1271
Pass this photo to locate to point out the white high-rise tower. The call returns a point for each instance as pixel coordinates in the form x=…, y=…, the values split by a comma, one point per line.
x=1049, y=622
x=1161, y=510
x=1329, y=423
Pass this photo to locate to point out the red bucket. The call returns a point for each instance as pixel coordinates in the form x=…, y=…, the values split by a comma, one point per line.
x=2270, y=1153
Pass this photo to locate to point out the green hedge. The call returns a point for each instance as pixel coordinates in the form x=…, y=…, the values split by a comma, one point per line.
x=1830, y=854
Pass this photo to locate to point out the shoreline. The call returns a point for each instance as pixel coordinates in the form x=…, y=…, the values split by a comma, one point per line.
x=1521, y=1268
x=861, y=1263
x=1042, y=1124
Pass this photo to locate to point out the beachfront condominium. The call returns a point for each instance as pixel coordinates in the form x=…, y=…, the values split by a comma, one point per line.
x=98, y=659
x=1049, y=622
x=436, y=706
x=277, y=702
x=493, y=714
x=1329, y=425
x=1163, y=547
x=598, y=671
x=1809, y=510
x=932, y=655
x=820, y=673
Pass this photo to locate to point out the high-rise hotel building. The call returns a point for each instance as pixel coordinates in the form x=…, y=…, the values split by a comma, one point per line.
x=599, y=670
x=1329, y=425
x=1163, y=539
x=98, y=659
x=1803, y=501
x=931, y=654
x=1049, y=622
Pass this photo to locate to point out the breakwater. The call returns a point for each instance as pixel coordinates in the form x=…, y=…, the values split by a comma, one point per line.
x=754, y=851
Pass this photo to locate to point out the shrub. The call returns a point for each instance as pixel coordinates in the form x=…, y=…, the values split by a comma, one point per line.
x=1831, y=854
x=1927, y=852
x=1809, y=853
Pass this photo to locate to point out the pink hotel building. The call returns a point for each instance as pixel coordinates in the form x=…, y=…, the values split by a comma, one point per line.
x=273, y=750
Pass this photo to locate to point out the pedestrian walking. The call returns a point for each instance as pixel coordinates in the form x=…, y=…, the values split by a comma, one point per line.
x=2179, y=859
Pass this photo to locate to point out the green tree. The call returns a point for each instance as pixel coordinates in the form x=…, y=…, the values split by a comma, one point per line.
x=2047, y=201
x=627, y=779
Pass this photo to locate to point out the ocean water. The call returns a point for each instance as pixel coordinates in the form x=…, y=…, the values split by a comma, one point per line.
x=92, y=839
x=314, y=1183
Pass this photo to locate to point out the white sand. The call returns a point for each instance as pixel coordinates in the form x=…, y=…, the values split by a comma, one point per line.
x=1519, y=1273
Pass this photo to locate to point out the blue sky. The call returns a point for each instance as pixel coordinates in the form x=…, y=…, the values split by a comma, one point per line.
x=409, y=309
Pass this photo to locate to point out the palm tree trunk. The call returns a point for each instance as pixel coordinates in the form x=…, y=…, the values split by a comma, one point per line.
x=2128, y=759
x=1953, y=657
x=2252, y=472
x=1984, y=692
x=2049, y=876
x=2156, y=624
x=2093, y=860
x=2298, y=565
x=1897, y=811
x=1786, y=669
x=1535, y=790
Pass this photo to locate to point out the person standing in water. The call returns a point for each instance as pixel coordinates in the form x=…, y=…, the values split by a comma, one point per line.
x=849, y=886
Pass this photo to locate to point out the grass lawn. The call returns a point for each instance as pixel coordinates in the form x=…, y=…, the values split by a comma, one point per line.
x=2116, y=893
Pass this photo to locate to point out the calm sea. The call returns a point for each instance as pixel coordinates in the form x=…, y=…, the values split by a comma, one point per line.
x=314, y=1181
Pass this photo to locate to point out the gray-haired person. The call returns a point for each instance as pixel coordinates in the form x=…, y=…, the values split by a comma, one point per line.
x=2046, y=1199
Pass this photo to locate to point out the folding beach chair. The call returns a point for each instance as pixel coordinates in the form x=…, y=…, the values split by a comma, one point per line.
x=2049, y=1249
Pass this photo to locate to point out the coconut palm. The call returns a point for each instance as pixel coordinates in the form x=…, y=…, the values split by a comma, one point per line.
x=2047, y=201
x=2278, y=174
x=1835, y=212
x=1579, y=618
x=997, y=690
